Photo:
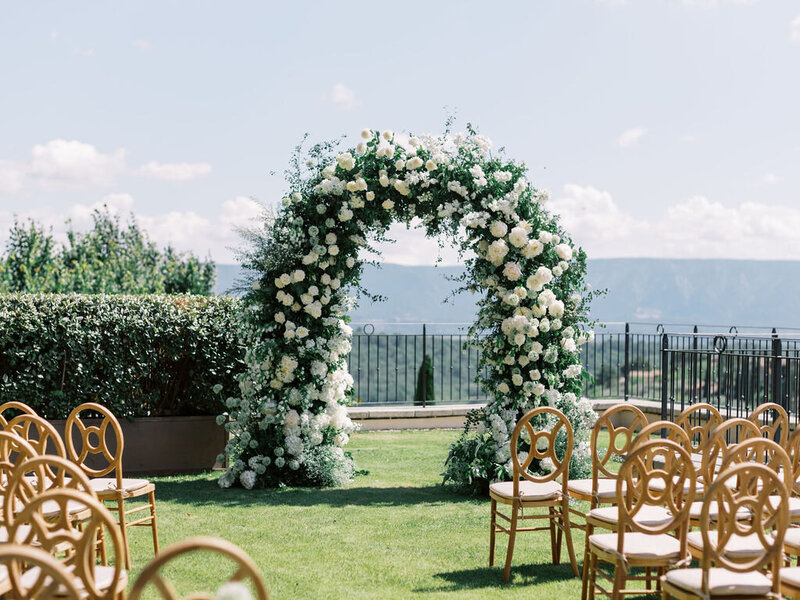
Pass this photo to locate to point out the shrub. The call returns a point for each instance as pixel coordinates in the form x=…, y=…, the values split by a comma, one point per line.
x=148, y=355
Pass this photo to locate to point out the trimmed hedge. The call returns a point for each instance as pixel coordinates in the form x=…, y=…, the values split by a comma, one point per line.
x=151, y=355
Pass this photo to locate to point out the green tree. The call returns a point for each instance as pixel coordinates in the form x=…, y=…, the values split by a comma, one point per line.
x=425, y=382
x=110, y=258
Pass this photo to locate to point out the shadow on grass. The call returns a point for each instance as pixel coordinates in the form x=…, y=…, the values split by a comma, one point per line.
x=492, y=577
x=200, y=492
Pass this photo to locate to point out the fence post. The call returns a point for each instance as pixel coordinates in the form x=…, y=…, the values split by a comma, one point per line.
x=776, y=368
x=664, y=371
x=424, y=370
x=627, y=358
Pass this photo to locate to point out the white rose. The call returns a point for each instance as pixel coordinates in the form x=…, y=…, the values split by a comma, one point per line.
x=518, y=237
x=498, y=229
x=430, y=165
x=512, y=271
x=333, y=250
x=402, y=187
x=387, y=135
x=387, y=205
x=532, y=248
x=496, y=252
x=286, y=279
x=503, y=388
x=564, y=251
x=361, y=148
x=366, y=133
x=556, y=309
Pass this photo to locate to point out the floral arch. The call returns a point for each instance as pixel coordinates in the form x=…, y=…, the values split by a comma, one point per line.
x=289, y=424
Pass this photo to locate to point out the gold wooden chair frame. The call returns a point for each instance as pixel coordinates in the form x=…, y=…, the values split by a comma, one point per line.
x=13, y=405
x=246, y=569
x=529, y=491
x=773, y=421
x=39, y=433
x=699, y=421
x=638, y=544
x=791, y=543
x=734, y=576
x=117, y=489
x=57, y=531
x=46, y=578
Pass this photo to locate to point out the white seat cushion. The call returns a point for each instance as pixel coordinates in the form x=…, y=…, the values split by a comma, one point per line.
x=658, y=484
x=721, y=582
x=649, y=516
x=794, y=505
x=639, y=545
x=791, y=575
x=738, y=546
x=792, y=537
x=103, y=578
x=606, y=488
x=22, y=534
x=109, y=484
x=528, y=490
x=696, y=508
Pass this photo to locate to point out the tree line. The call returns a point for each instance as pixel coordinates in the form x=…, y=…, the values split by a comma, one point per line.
x=111, y=258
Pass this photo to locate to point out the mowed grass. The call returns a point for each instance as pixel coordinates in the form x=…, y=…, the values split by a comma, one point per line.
x=394, y=533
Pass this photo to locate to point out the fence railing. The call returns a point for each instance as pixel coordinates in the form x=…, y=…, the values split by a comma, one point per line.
x=625, y=360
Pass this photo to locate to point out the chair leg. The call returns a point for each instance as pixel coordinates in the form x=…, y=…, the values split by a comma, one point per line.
x=567, y=526
x=559, y=522
x=123, y=530
x=153, y=523
x=512, y=532
x=492, y=532
x=592, y=574
x=619, y=581
x=552, y=522
x=589, y=530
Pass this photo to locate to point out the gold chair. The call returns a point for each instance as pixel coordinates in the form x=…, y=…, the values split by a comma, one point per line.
x=104, y=444
x=151, y=575
x=529, y=491
x=47, y=521
x=773, y=421
x=791, y=543
x=623, y=422
x=39, y=433
x=642, y=544
x=735, y=576
x=699, y=420
x=33, y=574
x=13, y=405
x=753, y=450
x=724, y=436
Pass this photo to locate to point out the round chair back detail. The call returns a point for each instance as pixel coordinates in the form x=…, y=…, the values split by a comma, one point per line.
x=13, y=405
x=53, y=581
x=541, y=445
x=623, y=423
x=95, y=441
x=772, y=420
x=39, y=433
x=246, y=569
x=58, y=529
x=722, y=439
x=699, y=420
x=665, y=430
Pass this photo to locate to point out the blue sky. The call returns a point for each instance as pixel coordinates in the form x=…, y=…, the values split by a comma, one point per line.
x=660, y=127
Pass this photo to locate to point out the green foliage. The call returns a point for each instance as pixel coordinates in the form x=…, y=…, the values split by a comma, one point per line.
x=425, y=383
x=108, y=259
x=151, y=355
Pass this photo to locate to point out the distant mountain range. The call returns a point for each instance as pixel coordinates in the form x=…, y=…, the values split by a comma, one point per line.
x=710, y=292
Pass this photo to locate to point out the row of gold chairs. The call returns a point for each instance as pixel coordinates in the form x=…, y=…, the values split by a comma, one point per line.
x=701, y=434
x=58, y=538
x=96, y=445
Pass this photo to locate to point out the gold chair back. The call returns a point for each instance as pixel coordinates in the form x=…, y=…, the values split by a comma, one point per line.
x=528, y=443
x=39, y=433
x=793, y=449
x=657, y=472
x=102, y=443
x=724, y=437
x=53, y=581
x=13, y=405
x=623, y=422
x=13, y=450
x=762, y=451
x=246, y=569
x=79, y=541
x=760, y=492
x=664, y=430
x=773, y=421
x=699, y=420
x=36, y=475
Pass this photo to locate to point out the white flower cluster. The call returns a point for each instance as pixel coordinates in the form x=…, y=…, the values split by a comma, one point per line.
x=290, y=420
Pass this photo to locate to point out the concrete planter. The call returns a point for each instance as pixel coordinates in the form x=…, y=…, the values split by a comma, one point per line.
x=162, y=445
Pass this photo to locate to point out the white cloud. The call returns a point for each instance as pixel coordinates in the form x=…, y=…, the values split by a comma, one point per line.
x=62, y=163
x=83, y=51
x=174, y=171
x=770, y=179
x=795, y=30
x=631, y=137
x=142, y=45
x=716, y=3
x=342, y=97
x=688, y=139
x=413, y=248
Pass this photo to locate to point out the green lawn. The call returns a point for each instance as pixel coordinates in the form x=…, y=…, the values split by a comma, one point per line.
x=395, y=533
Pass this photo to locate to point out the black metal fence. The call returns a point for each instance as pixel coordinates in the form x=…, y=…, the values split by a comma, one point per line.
x=625, y=360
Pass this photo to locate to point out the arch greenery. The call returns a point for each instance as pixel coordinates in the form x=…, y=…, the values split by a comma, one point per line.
x=289, y=425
